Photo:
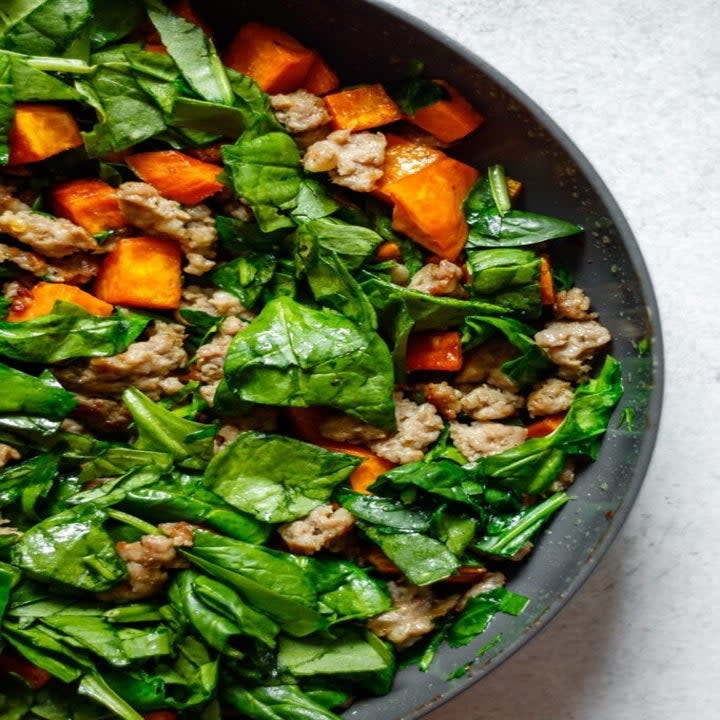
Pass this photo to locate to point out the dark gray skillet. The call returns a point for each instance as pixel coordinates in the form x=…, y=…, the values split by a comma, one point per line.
x=371, y=42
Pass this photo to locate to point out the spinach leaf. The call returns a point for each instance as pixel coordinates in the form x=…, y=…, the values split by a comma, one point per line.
x=416, y=92
x=69, y=332
x=71, y=549
x=384, y=511
x=194, y=54
x=207, y=117
x=275, y=702
x=478, y=613
x=294, y=355
x=29, y=482
x=276, y=478
x=30, y=83
x=246, y=277
x=94, y=687
x=43, y=27
x=265, y=171
x=268, y=580
x=422, y=559
x=161, y=430
x=253, y=104
x=9, y=577
x=240, y=236
x=113, y=20
x=495, y=225
x=7, y=106
x=362, y=658
x=30, y=395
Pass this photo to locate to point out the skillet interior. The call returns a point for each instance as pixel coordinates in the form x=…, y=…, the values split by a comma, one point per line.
x=369, y=42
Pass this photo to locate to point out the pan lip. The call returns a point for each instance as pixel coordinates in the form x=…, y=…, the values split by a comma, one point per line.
x=649, y=437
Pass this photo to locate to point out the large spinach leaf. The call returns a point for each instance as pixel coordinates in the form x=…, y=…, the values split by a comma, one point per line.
x=71, y=549
x=246, y=277
x=274, y=702
x=294, y=355
x=276, y=478
x=69, y=332
x=28, y=395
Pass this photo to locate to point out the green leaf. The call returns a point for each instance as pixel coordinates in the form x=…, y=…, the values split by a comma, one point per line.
x=161, y=430
x=246, y=277
x=95, y=687
x=28, y=482
x=422, y=559
x=71, y=549
x=113, y=20
x=293, y=355
x=7, y=106
x=31, y=84
x=28, y=395
x=69, y=332
x=384, y=511
x=276, y=478
x=275, y=702
x=194, y=54
x=416, y=92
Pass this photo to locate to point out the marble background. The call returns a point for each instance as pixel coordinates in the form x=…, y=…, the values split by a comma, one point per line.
x=636, y=85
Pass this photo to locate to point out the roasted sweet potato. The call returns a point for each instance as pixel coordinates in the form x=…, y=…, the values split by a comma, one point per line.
x=142, y=272
x=321, y=78
x=362, y=108
x=89, y=203
x=434, y=351
x=39, y=131
x=44, y=295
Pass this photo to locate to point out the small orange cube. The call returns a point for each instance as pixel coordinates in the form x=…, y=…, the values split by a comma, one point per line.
x=44, y=295
x=362, y=108
x=434, y=351
x=321, y=78
x=40, y=131
x=142, y=272
x=404, y=157
x=275, y=60
x=89, y=203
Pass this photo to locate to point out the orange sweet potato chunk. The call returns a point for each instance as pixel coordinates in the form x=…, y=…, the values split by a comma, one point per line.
x=142, y=272
x=89, y=203
x=362, y=108
x=275, y=60
x=44, y=295
x=177, y=176
x=321, y=78
x=428, y=206
x=448, y=120
x=40, y=131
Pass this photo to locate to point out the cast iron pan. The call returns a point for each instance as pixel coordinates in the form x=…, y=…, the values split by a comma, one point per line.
x=370, y=42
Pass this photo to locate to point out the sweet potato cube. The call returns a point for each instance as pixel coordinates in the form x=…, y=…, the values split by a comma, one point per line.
x=177, y=176
x=142, y=272
x=275, y=60
x=321, y=78
x=40, y=131
x=89, y=203
x=362, y=108
x=428, y=206
x=434, y=351
x=44, y=295
x=448, y=120
x=404, y=157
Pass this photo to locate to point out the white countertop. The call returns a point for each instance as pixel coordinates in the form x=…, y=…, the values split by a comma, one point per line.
x=636, y=85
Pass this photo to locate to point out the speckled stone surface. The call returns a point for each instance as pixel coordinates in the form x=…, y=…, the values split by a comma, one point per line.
x=636, y=85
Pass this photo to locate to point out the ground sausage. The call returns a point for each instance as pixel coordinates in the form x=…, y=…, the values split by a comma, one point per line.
x=490, y=403
x=73, y=269
x=354, y=160
x=212, y=301
x=300, y=111
x=572, y=304
x=482, y=364
x=318, y=530
x=417, y=427
x=413, y=614
x=446, y=398
x=105, y=415
x=480, y=439
x=50, y=236
x=210, y=358
x=7, y=454
x=550, y=397
x=147, y=365
x=570, y=344
x=192, y=227
x=443, y=278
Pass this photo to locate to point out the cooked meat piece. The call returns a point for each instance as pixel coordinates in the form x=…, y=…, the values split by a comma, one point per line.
x=300, y=111
x=7, y=454
x=236, y=208
x=446, y=398
x=550, y=397
x=318, y=530
x=103, y=415
x=523, y=552
x=146, y=365
x=491, y=581
x=74, y=269
x=50, y=236
x=181, y=532
x=211, y=301
x=263, y=418
x=418, y=426
x=210, y=358
x=354, y=160
x=192, y=227
x=565, y=479
x=443, y=278
x=570, y=344
x=413, y=615
x=485, y=438
x=148, y=561
x=482, y=364
x=572, y=304
x=489, y=403
x=343, y=428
